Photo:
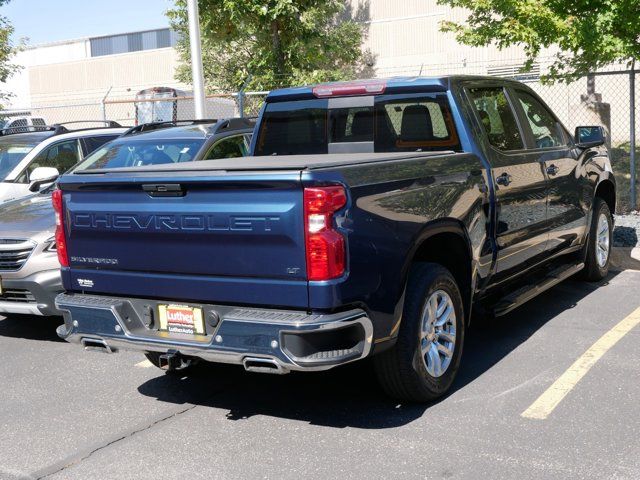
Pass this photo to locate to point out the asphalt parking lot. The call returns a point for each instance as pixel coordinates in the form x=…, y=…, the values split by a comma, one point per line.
x=70, y=414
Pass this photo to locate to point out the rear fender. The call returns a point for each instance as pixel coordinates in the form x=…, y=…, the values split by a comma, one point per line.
x=430, y=231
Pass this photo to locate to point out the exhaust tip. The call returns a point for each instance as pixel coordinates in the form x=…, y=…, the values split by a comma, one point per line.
x=96, y=345
x=263, y=365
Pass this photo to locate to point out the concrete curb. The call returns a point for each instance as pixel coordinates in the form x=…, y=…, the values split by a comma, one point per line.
x=625, y=258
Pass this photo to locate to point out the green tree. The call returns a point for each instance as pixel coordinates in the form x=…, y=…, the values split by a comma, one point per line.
x=588, y=33
x=7, y=50
x=272, y=42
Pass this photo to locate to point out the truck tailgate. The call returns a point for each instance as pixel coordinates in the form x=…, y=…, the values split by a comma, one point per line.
x=214, y=237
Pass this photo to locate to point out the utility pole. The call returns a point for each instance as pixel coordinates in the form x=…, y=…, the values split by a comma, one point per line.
x=632, y=139
x=197, y=78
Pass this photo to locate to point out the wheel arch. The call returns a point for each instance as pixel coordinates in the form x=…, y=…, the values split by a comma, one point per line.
x=445, y=242
x=606, y=189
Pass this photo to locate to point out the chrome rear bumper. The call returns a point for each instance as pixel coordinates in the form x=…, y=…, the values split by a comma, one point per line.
x=282, y=340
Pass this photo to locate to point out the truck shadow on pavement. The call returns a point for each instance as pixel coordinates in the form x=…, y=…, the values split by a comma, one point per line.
x=349, y=396
x=30, y=327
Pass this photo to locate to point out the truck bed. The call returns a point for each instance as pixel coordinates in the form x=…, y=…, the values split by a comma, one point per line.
x=282, y=162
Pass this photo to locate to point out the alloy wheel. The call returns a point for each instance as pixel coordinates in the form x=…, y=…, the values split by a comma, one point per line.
x=602, y=241
x=438, y=333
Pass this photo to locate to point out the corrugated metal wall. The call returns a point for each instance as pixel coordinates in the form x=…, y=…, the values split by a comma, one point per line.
x=89, y=79
x=133, y=42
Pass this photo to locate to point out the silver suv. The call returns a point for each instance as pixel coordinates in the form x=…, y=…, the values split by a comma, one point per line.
x=29, y=268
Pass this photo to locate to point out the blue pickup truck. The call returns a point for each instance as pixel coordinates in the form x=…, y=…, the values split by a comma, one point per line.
x=372, y=219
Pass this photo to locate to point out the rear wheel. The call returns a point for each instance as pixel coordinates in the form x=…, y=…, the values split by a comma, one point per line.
x=598, y=255
x=425, y=359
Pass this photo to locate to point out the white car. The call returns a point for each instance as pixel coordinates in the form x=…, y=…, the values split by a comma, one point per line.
x=33, y=160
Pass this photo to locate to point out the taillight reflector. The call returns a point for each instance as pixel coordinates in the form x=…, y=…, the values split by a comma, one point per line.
x=61, y=241
x=325, y=247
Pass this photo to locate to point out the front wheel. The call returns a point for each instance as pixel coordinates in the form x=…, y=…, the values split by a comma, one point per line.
x=423, y=363
x=598, y=255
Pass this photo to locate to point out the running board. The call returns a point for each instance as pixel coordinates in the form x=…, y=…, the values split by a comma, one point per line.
x=527, y=292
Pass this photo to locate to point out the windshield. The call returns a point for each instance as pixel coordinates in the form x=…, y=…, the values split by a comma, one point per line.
x=11, y=154
x=394, y=123
x=132, y=152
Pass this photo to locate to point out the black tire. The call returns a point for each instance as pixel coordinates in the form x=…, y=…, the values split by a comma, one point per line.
x=401, y=370
x=593, y=270
x=154, y=357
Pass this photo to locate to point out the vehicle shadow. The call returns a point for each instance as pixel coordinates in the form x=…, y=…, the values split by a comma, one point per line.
x=30, y=327
x=349, y=396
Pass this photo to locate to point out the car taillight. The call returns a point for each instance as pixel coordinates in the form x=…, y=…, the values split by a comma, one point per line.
x=324, y=245
x=61, y=241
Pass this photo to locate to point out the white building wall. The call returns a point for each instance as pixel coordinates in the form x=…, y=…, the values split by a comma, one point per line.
x=59, y=52
x=405, y=39
x=90, y=79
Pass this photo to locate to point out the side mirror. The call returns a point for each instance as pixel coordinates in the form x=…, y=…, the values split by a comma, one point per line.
x=41, y=176
x=587, y=137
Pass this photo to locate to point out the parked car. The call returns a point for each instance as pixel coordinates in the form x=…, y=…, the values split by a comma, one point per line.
x=373, y=218
x=31, y=160
x=29, y=267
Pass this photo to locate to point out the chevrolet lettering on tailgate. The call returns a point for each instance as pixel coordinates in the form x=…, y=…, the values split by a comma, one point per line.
x=191, y=222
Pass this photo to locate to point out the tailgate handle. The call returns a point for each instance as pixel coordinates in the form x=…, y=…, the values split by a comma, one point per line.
x=164, y=190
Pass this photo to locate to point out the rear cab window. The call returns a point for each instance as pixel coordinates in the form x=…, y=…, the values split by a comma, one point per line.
x=390, y=123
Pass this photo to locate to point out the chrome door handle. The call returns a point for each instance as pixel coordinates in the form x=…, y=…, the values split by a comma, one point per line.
x=504, y=179
x=552, y=169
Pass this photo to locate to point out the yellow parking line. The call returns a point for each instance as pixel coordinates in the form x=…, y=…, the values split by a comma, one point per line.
x=144, y=364
x=549, y=400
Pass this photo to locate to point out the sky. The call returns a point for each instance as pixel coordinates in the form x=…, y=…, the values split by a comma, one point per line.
x=44, y=21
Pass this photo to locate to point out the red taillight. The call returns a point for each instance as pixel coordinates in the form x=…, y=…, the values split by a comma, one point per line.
x=359, y=87
x=324, y=245
x=61, y=241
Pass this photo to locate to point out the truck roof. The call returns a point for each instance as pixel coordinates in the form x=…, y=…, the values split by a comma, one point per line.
x=387, y=85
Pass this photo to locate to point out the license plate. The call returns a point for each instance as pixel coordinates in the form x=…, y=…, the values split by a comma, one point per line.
x=181, y=319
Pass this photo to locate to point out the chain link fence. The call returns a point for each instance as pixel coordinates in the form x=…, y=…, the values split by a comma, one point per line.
x=131, y=111
x=604, y=98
